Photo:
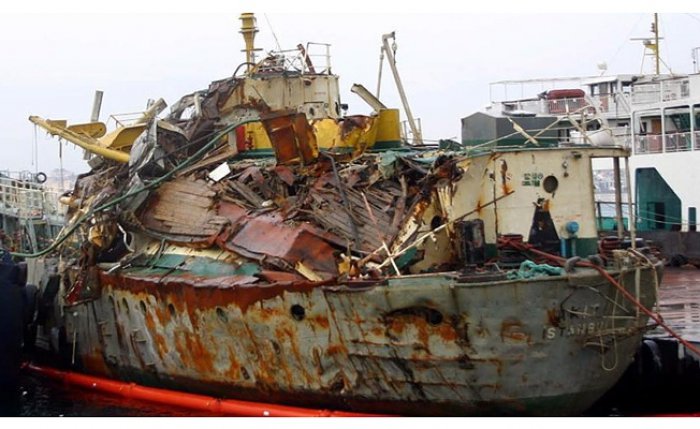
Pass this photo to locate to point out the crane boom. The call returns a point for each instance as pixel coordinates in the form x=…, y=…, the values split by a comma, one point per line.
x=417, y=138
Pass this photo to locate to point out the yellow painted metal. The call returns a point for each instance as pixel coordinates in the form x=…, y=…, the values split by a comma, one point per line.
x=86, y=142
x=122, y=137
x=255, y=133
x=388, y=126
x=329, y=134
x=91, y=129
x=248, y=30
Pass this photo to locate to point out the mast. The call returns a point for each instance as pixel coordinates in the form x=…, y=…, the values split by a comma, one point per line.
x=651, y=45
x=655, y=29
x=248, y=30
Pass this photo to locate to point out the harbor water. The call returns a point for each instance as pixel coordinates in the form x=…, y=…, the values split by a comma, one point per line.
x=41, y=397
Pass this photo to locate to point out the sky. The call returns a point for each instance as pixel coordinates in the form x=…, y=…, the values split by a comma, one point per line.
x=55, y=55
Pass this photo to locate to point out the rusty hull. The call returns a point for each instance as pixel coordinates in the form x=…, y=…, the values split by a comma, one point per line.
x=426, y=344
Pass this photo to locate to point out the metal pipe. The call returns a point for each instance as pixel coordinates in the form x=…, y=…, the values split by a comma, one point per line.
x=381, y=61
x=618, y=198
x=152, y=111
x=656, y=42
x=96, y=106
x=630, y=209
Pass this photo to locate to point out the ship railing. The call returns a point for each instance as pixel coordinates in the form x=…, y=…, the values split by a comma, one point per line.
x=679, y=142
x=562, y=106
x=665, y=90
x=675, y=142
x=556, y=107
x=605, y=212
x=565, y=105
x=125, y=119
x=27, y=201
x=406, y=133
x=622, y=136
x=649, y=144
x=314, y=58
x=315, y=51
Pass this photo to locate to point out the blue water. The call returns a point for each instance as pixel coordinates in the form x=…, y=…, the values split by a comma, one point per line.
x=41, y=397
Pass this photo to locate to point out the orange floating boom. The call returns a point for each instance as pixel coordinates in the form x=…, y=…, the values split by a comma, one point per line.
x=210, y=405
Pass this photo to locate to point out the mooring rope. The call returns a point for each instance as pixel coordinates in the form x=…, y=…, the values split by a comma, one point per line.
x=559, y=260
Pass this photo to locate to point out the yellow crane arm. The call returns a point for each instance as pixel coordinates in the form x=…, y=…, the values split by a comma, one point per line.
x=86, y=142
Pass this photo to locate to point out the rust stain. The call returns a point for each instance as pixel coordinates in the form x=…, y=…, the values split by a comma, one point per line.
x=447, y=332
x=479, y=207
x=234, y=370
x=161, y=343
x=291, y=136
x=513, y=329
x=95, y=362
x=351, y=123
x=401, y=325
x=336, y=349
x=268, y=235
x=193, y=353
x=553, y=317
x=504, y=177
x=320, y=321
x=547, y=205
x=185, y=290
x=397, y=326
x=423, y=334
x=289, y=335
x=283, y=334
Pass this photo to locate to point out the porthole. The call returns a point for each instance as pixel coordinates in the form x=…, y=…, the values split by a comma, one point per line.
x=298, y=312
x=433, y=317
x=550, y=184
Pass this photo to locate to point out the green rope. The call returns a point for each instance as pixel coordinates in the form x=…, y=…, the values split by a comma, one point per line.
x=529, y=269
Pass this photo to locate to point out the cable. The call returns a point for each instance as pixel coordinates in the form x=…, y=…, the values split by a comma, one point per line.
x=693, y=16
x=626, y=40
x=279, y=48
x=666, y=50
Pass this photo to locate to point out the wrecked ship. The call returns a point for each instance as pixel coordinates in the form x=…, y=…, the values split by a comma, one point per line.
x=257, y=244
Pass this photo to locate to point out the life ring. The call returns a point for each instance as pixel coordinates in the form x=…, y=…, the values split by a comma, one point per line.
x=40, y=177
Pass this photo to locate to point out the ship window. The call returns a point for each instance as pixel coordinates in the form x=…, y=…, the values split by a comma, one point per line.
x=550, y=184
